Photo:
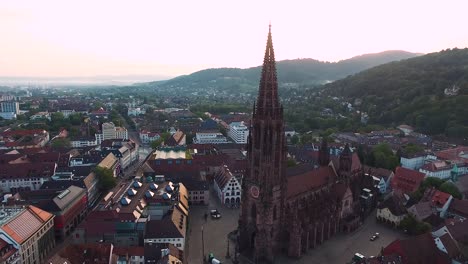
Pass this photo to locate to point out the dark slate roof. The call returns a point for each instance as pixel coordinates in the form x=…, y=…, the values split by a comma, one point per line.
x=62, y=185
x=194, y=184
x=378, y=172
x=223, y=177
x=153, y=252
x=168, y=227
x=27, y=170
x=78, y=171
x=394, y=205
x=459, y=207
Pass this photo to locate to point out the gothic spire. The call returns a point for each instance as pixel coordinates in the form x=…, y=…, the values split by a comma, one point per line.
x=267, y=101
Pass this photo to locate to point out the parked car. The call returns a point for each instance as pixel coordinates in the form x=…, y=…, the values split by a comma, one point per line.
x=215, y=214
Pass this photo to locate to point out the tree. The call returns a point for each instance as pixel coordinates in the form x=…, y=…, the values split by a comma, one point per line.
x=295, y=140
x=413, y=226
x=291, y=163
x=412, y=148
x=450, y=188
x=384, y=157
x=163, y=137
x=61, y=143
x=57, y=117
x=106, y=179
x=156, y=143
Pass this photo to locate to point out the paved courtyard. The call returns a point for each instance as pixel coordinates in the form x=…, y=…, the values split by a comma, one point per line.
x=214, y=231
x=338, y=250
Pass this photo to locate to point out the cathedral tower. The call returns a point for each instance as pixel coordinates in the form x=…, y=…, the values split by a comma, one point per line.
x=264, y=184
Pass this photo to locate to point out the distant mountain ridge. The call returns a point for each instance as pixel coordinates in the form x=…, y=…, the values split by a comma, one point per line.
x=296, y=72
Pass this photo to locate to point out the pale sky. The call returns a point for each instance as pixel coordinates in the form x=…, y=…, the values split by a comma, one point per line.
x=87, y=38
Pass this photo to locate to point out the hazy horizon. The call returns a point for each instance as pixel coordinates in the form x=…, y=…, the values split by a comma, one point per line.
x=52, y=39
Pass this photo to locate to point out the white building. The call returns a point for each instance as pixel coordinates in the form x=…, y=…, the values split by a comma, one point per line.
x=7, y=115
x=227, y=187
x=110, y=131
x=40, y=115
x=415, y=162
x=136, y=111
x=27, y=176
x=121, y=133
x=238, y=132
x=9, y=107
x=148, y=137
x=83, y=142
x=405, y=129
x=209, y=138
x=67, y=113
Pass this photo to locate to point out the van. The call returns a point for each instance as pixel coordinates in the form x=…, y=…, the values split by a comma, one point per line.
x=358, y=257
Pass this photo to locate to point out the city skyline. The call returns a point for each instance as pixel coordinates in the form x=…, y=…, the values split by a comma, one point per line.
x=53, y=39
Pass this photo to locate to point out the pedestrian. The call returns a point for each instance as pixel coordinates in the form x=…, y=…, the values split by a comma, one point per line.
x=206, y=216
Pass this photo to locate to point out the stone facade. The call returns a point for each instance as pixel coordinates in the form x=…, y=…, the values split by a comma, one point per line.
x=291, y=210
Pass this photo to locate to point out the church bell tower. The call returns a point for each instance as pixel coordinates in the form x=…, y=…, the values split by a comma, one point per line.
x=264, y=184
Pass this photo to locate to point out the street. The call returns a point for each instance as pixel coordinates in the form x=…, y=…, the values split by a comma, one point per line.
x=339, y=249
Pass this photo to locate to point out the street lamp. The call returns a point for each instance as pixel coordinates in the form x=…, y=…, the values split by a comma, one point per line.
x=203, y=246
x=227, y=253
x=235, y=261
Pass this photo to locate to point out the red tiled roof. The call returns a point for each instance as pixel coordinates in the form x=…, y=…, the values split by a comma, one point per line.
x=30, y=132
x=416, y=250
x=440, y=198
x=130, y=251
x=407, y=180
x=33, y=216
x=96, y=253
x=452, y=154
x=310, y=180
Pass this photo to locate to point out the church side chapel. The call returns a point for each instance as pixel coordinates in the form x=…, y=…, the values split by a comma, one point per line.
x=291, y=210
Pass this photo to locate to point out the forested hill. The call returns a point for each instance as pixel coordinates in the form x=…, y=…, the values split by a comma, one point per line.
x=429, y=92
x=295, y=72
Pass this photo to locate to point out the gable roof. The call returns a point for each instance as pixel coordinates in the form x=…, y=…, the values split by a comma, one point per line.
x=417, y=249
x=378, y=172
x=450, y=245
x=223, y=177
x=168, y=227
x=309, y=180
x=421, y=210
x=407, y=180
x=458, y=230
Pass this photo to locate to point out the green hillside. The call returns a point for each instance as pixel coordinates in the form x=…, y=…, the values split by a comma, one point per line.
x=429, y=92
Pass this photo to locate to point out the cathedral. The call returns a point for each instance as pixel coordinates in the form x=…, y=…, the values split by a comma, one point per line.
x=291, y=210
